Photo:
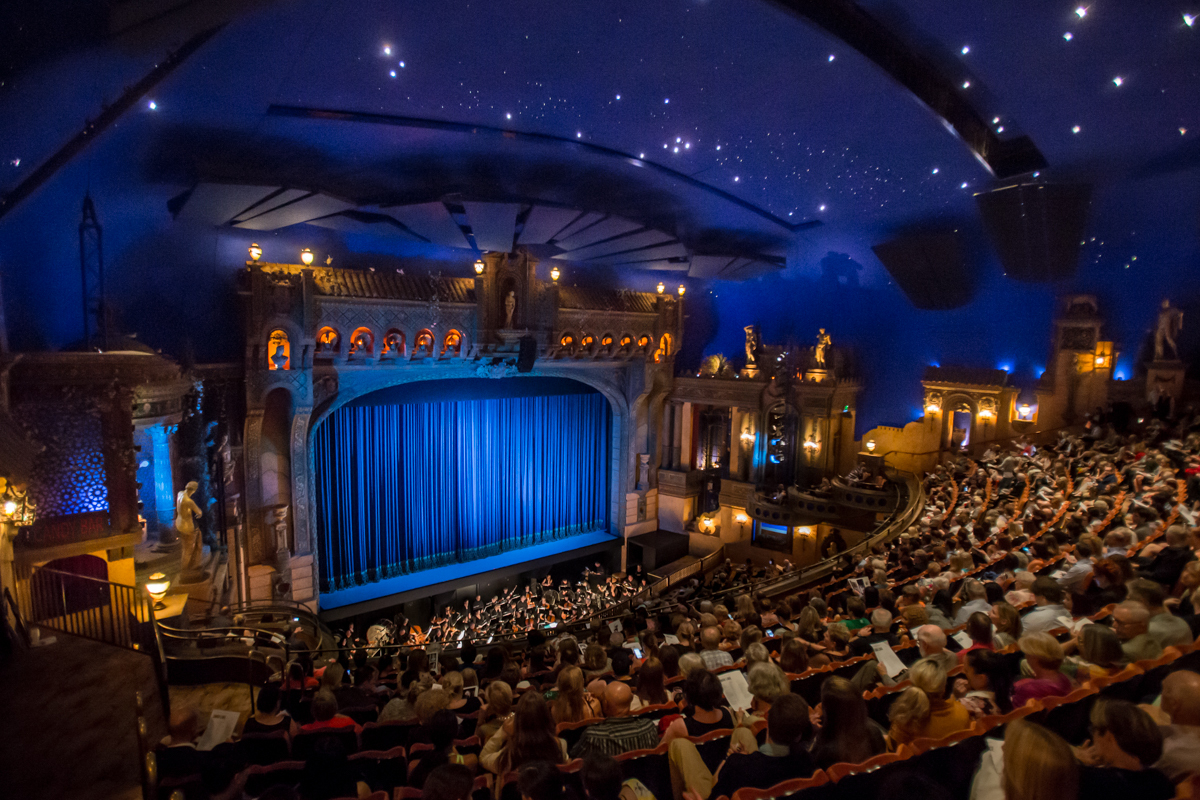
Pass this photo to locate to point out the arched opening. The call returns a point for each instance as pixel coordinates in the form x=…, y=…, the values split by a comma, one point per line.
x=958, y=427
x=279, y=350
x=606, y=340
x=664, y=347
x=626, y=340
x=452, y=344
x=423, y=344
x=328, y=340
x=567, y=340
x=587, y=341
x=393, y=343
x=644, y=341
x=362, y=342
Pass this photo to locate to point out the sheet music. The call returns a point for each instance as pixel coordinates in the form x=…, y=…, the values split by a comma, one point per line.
x=220, y=727
x=737, y=691
x=615, y=626
x=670, y=638
x=887, y=656
x=962, y=638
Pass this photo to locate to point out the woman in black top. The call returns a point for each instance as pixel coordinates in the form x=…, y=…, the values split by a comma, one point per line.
x=704, y=712
x=267, y=717
x=847, y=733
x=783, y=758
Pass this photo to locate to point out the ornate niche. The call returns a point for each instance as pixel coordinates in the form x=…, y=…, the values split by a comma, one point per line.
x=279, y=350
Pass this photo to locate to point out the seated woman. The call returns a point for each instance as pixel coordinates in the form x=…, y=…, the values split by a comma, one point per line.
x=847, y=734
x=1007, y=623
x=650, y=690
x=979, y=628
x=460, y=704
x=922, y=710
x=496, y=710
x=1125, y=745
x=1044, y=655
x=527, y=736
x=442, y=730
x=793, y=656
x=573, y=704
x=986, y=687
x=268, y=717
x=836, y=644
x=705, y=711
x=595, y=662
x=1100, y=654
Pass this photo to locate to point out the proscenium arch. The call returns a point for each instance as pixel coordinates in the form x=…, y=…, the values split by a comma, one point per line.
x=611, y=387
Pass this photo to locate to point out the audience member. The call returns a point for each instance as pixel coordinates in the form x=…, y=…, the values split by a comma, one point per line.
x=619, y=733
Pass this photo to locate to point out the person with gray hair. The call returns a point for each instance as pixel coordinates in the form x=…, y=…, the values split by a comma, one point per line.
x=976, y=601
x=1131, y=621
x=766, y=683
x=689, y=662
x=711, y=654
x=757, y=653
x=931, y=642
x=880, y=631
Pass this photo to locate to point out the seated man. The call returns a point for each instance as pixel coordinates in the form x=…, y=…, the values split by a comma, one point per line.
x=1131, y=623
x=713, y=656
x=1181, y=733
x=179, y=756
x=1049, y=597
x=619, y=733
x=1165, y=628
x=881, y=631
x=783, y=757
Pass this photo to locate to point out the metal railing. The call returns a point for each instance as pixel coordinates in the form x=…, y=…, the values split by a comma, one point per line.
x=96, y=609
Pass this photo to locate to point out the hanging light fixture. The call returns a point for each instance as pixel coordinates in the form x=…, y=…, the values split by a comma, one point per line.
x=682, y=289
x=554, y=274
x=306, y=256
x=662, y=287
x=479, y=266
x=255, y=252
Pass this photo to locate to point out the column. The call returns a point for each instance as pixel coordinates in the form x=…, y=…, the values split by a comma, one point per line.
x=735, y=443
x=164, y=478
x=687, y=460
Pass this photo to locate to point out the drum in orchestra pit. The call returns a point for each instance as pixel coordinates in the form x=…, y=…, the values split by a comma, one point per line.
x=380, y=634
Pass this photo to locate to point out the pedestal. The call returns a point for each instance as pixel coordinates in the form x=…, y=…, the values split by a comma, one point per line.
x=1164, y=379
x=817, y=375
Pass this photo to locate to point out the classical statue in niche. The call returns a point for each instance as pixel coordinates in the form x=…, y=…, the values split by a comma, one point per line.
x=823, y=343
x=1170, y=323
x=753, y=343
x=510, y=307
x=186, y=513
x=279, y=358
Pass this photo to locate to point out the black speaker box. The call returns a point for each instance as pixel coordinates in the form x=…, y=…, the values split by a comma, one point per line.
x=1036, y=228
x=527, y=354
x=930, y=268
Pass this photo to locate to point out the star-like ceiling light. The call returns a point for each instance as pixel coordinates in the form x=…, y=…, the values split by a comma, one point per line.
x=1068, y=36
x=1081, y=11
x=1118, y=81
x=1189, y=19
x=1076, y=129
x=966, y=84
x=153, y=106
x=966, y=49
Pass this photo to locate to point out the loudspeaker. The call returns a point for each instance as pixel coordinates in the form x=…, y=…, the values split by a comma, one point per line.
x=930, y=268
x=1037, y=228
x=527, y=354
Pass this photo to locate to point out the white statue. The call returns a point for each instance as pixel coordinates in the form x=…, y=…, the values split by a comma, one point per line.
x=823, y=343
x=510, y=306
x=186, y=512
x=1170, y=322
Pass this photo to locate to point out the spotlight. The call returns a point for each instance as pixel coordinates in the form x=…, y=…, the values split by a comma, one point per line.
x=306, y=256
x=255, y=252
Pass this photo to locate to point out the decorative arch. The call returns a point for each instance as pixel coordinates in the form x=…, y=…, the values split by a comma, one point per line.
x=644, y=341
x=606, y=340
x=393, y=343
x=958, y=407
x=452, y=344
x=567, y=339
x=626, y=340
x=664, y=348
x=328, y=340
x=423, y=344
x=362, y=342
x=279, y=350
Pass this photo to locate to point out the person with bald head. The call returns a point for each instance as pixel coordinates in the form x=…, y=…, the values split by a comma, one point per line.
x=1181, y=738
x=1131, y=622
x=931, y=641
x=619, y=733
x=710, y=643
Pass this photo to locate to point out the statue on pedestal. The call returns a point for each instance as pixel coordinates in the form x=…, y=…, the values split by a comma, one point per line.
x=186, y=512
x=1170, y=322
x=753, y=345
x=510, y=307
x=823, y=343
x=643, y=481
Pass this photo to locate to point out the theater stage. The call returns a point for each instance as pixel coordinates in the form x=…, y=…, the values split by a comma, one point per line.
x=391, y=592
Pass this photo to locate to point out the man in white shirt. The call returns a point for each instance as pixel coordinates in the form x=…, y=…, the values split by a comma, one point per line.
x=1049, y=596
x=1073, y=579
x=976, y=601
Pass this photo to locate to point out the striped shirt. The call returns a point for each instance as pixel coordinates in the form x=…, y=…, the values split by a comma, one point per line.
x=617, y=735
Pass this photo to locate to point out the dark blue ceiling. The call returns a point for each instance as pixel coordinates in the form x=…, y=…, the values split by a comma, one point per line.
x=762, y=105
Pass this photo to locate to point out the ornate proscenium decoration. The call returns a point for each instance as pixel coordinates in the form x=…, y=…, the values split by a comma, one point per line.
x=933, y=403
x=987, y=410
x=255, y=252
x=157, y=586
x=479, y=266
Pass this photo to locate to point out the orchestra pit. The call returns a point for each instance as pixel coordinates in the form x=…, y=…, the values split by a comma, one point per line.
x=744, y=399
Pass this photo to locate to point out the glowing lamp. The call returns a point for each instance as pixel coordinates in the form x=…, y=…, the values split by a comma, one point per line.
x=804, y=531
x=554, y=274
x=741, y=518
x=932, y=408
x=479, y=266
x=306, y=256
x=682, y=289
x=812, y=446
x=870, y=445
x=157, y=586
x=986, y=413
x=1024, y=411
x=255, y=252
x=747, y=437
x=1101, y=361
x=662, y=287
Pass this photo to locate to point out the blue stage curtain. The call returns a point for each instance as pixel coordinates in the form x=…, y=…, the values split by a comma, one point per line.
x=402, y=488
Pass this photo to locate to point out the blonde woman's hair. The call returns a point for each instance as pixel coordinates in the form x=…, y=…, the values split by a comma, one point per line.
x=1043, y=648
x=929, y=676
x=910, y=710
x=452, y=682
x=689, y=662
x=745, y=606
x=1038, y=764
x=499, y=697
x=569, y=706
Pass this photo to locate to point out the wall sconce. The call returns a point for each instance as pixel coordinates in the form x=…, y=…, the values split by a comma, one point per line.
x=747, y=437
x=479, y=266
x=554, y=274
x=662, y=287
x=10, y=508
x=157, y=586
x=812, y=446
x=708, y=524
x=804, y=531
x=682, y=289
x=1101, y=361
x=255, y=252
x=933, y=407
x=306, y=256
x=741, y=518
x=986, y=414
x=870, y=445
